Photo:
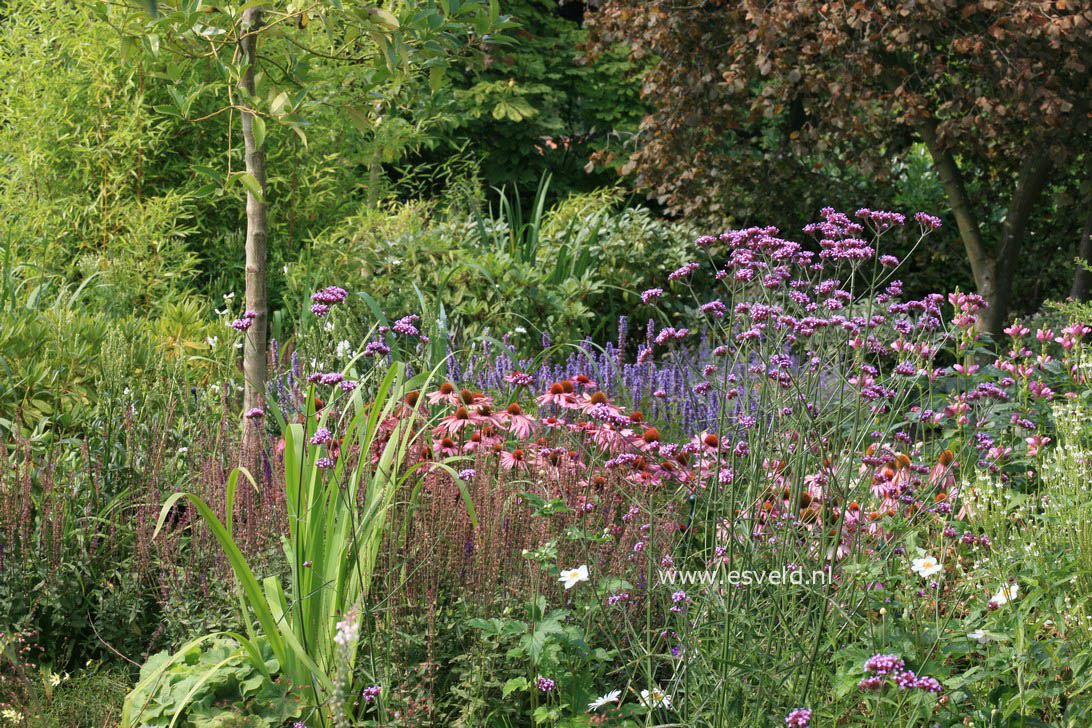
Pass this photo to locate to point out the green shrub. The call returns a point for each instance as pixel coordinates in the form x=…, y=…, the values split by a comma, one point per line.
x=569, y=272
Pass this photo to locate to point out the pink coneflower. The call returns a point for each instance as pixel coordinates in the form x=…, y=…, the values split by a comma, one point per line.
x=589, y=402
x=446, y=393
x=560, y=394
x=468, y=397
x=520, y=379
x=445, y=446
x=513, y=460
x=648, y=439
x=582, y=381
x=455, y=422
x=519, y=424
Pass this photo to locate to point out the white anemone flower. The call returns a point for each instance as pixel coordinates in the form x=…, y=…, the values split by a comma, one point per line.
x=572, y=577
x=925, y=567
x=611, y=697
x=1005, y=594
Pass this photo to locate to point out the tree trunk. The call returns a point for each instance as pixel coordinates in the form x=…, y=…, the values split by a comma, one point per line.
x=254, y=349
x=1082, y=280
x=993, y=269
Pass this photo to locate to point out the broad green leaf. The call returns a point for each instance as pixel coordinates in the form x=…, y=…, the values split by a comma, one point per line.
x=251, y=183
x=259, y=131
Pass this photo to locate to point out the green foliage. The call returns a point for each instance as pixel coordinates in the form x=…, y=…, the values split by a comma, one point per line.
x=89, y=698
x=538, y=105
x=569, y=270
x=212, y=684
x=336, y=525
x=81, y=161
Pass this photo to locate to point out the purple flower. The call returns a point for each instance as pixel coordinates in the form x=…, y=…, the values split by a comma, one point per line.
x=255, y=413
x=320, y=309
x=798, y=718
x=325, y=463
x=715, y=308
x=928, y=684
x=329, y=296
x=405, y=325
x=883, y=664
x=241, y=324
x=348, y=385
x=371, y=693
x=250, y=315
x=544, y=684
x=376, y=347
x=331, y=378
x=322, y=436
x=684, y=271
x=927, y=221
x=650, y=294
x=467, y=474
x=906, y=679
x=872, y=682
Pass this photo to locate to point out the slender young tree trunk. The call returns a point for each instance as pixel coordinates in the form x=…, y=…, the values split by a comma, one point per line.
x=254, y=349
x=993, y=268
x=1082, y=280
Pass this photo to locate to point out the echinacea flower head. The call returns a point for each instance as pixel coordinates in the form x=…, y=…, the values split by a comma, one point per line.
x=611, y=697
x=655, y=698
x=926, y=566
x=572, y=577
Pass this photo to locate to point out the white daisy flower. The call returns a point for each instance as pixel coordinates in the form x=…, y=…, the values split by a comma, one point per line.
x=655, y=698
x=611, y=697
x=925, y=567
x=572, y=577
x=981, y=636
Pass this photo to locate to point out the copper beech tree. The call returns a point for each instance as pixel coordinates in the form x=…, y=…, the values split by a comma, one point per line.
x=997, y=91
